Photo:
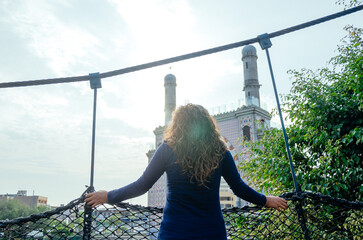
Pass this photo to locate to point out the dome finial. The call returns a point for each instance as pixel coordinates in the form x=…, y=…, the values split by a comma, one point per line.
x=249, y=50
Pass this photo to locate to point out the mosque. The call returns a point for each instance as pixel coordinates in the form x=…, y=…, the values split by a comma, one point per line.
x=246, y=122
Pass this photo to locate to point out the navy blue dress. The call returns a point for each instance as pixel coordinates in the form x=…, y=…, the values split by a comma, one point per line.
x=191, y=211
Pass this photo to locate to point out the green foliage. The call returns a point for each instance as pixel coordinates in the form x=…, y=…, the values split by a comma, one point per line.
x=349, y=3
x=10, y=209
x=322, y=221
x=269, y=225
x=61, y=230
x=347, y=225
x=267, y=165
x=326, y=132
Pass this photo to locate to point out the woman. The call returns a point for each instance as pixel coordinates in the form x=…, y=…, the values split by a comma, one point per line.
x=194, y=157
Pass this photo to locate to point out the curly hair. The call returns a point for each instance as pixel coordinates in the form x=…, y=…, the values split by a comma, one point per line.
x=195, y=138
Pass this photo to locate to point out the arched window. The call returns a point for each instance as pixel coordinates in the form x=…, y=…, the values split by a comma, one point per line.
x=247, y=133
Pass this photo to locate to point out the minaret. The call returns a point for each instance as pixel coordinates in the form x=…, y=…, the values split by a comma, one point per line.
x=170, y=96
x=251, y=85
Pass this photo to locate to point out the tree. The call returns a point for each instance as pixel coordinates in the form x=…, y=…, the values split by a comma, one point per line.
x=326, y=132
x=11, y=209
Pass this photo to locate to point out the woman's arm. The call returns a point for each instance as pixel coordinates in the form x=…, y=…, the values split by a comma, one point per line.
x=238, y=186
x=151, y=174
x=242, y=190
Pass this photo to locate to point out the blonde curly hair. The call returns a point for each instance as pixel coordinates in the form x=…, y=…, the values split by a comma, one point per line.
x=195, y=138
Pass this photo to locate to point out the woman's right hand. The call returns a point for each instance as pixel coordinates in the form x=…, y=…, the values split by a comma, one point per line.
x=276, y=203
x=96, y=198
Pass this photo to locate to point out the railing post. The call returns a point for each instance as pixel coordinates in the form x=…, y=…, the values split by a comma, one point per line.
x=87, y=218
x=265, y=43
x=95, y=82
x=301, y=215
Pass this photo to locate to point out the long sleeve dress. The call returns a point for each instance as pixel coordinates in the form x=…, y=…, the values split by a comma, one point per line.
x=191, y=211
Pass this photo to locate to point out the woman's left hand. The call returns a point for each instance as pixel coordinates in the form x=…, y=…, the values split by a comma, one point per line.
x=276, y=203
x=96, y=198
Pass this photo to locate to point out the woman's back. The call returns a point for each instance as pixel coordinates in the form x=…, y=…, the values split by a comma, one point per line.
x=192, y=210
x=190, y=207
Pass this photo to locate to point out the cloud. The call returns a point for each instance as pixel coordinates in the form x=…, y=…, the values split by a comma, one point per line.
x=162, y=29
x=48, y=37
x=158, y=27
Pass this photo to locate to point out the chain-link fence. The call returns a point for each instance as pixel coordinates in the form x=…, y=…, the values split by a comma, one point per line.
x=309, y=216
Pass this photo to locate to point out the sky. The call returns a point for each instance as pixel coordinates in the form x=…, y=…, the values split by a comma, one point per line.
x=45, y=131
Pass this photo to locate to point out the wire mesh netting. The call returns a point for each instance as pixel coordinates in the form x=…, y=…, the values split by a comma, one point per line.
x=309, y=216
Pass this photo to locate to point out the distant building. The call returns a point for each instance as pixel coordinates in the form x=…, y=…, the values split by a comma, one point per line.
x=246, y=122
x=227, y=198
x=21, y=195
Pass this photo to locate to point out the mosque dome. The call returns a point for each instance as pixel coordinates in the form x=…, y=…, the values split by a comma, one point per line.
x=249, y=50
x=170, y=78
